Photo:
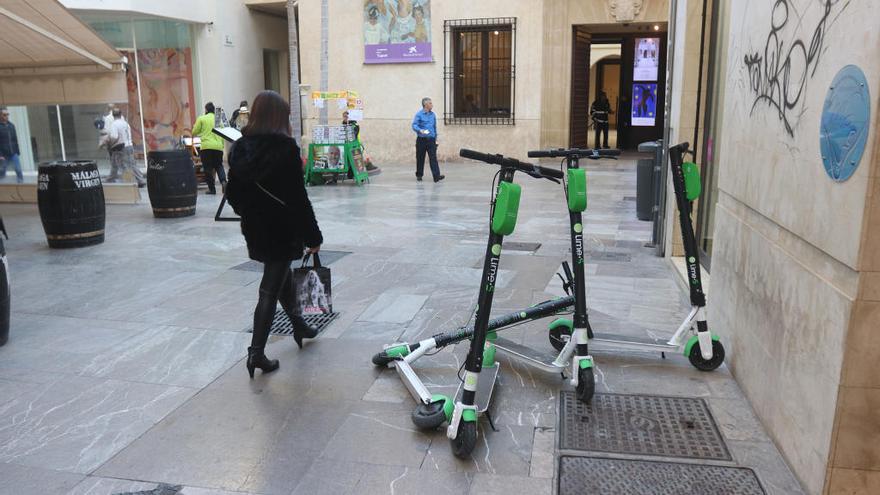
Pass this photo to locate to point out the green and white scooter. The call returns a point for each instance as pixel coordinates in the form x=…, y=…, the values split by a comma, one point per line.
x=462, y=429
x=693, y=338
x=574, y=356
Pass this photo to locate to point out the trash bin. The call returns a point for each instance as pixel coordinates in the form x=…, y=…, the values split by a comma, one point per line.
x=4, y=290
x=645, y=182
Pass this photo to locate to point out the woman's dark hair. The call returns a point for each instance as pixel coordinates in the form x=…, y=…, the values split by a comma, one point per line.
x=270, y=114
x=209, y=107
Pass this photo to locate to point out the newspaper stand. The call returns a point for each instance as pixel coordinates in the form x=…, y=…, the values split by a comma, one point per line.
x=326, y=165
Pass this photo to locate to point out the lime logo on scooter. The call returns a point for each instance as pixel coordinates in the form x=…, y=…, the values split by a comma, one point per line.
x=493, y=267
x=692, y=270
x=579, y=243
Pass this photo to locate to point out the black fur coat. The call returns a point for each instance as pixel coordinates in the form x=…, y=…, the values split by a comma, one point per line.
x=266, y=189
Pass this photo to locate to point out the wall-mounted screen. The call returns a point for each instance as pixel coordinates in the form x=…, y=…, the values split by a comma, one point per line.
x=646, y=61
x=644, y=107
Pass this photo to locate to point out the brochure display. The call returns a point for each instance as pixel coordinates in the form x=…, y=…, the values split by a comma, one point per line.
x=335, y=150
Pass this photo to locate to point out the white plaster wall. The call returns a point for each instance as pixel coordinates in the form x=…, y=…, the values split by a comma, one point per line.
x=392, y=92
x=230, y=73
x=186, y=10
x=784, y=265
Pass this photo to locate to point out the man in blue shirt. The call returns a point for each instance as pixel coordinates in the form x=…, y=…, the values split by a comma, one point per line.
x=9, y=146
x=425, y=126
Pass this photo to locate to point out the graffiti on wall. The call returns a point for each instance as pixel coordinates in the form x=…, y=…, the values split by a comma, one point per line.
x=779, y=72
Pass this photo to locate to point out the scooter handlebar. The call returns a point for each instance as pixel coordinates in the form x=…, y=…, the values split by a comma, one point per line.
x=574, y=152
x=503, y=161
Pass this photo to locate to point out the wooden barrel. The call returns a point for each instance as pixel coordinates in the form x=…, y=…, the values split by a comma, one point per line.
x=71, y=200
x=171, y=183
x=4, y=292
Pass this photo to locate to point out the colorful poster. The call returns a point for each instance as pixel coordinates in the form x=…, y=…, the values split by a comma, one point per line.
x=168, y=97
x=646, y=62
x=329, y=158
x=644, y=109
x=397, y=31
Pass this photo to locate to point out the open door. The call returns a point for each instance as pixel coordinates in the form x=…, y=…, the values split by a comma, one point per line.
x=580, y=88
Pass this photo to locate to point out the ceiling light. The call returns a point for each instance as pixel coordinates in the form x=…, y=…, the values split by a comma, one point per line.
x=656, y=27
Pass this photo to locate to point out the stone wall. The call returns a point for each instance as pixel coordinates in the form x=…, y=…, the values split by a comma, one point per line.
x=388, y=115
x=786, y=261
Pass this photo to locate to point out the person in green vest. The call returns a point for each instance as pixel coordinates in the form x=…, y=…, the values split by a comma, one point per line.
x=211, y=151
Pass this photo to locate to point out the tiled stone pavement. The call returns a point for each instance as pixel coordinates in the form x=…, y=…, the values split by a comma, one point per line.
x=125, y=365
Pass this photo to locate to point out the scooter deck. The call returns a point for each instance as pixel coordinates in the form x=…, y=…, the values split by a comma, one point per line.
x=538, y=359
x=485, y=387
x=608, y=341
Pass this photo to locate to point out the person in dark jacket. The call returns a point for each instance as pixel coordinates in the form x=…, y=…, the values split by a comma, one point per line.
x=599, y=111
x=267, y=190
x=9, y=152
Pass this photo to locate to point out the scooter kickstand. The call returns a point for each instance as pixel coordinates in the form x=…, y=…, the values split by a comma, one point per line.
x=491, y=423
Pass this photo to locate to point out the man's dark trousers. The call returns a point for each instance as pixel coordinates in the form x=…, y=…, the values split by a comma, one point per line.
x=429, y=146
x=602, y=128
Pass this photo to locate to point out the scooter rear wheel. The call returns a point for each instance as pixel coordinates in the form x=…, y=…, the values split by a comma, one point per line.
x=466, y=440
x=559, y=336
x=382, y=359
x=429, y=416
x=696, y=357
x=586, y=385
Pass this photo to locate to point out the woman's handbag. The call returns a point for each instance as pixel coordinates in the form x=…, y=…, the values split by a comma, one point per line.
x=311, y=286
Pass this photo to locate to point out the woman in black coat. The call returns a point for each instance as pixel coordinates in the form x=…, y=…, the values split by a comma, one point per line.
x=266, y=189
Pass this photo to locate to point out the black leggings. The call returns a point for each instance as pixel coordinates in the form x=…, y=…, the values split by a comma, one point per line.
x=276, y=286
x=212, y=161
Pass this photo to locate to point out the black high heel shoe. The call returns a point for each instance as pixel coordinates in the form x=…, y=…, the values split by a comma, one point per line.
x=302, y=330
x=257, y=359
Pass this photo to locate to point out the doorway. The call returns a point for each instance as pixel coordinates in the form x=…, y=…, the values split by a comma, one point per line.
x=634, y=82
x=605, y=78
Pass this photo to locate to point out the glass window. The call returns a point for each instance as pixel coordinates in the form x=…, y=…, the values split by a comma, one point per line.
x=272, y=70
x=480, y=77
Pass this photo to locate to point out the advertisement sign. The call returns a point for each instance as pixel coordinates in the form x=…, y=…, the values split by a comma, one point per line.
x=646, y=61
x=644, y=108
x=397, y=31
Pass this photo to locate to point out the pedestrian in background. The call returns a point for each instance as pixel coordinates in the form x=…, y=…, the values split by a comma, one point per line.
x=599, y=111
x=103, y=131
x=425, y=126
x=9, y=152
x=121, y=149
x=211, y=151
x=240, y=116
x=267, y=190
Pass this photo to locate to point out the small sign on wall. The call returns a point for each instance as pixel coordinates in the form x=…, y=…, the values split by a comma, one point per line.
x=846, y=119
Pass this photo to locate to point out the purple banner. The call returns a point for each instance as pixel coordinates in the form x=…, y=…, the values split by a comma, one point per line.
x=398, y=52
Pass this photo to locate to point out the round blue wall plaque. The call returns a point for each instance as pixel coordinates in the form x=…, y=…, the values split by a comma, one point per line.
x=845, y=123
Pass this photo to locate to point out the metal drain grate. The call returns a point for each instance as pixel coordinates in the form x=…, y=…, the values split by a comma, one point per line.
x=641, y=425
x=327, y=257
x=529, y=247
x=579, y=475
x=281, y=324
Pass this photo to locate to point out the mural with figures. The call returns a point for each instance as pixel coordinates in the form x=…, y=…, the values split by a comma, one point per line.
x=168, y=97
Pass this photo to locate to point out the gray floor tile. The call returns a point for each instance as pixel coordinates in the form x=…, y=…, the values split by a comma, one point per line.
x=76, y=423
x=25, y=480
x=492, y=484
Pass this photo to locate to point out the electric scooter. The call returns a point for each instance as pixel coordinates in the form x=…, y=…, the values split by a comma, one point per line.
x=704, y=350
x=574, y=352
x=435, y=409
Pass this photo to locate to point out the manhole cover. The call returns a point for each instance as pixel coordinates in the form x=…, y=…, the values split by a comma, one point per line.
x=641, y=425
x=327, y=257
x=281, y=324
x=529, y=247
x=579, y=475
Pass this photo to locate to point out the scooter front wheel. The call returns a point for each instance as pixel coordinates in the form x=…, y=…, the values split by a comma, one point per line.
x=696, y=357
x=586, y=385
x=429, y=416
x=466, y=440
